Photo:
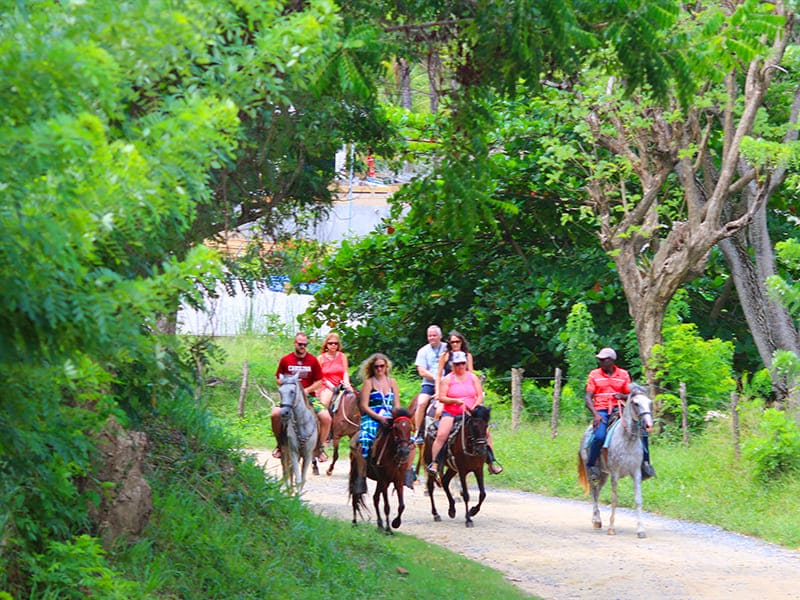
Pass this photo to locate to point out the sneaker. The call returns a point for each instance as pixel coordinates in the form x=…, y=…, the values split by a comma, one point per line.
x=594, y=475
x=433, y=468
x=495, y=468
x=647, y=471
x=419, y=440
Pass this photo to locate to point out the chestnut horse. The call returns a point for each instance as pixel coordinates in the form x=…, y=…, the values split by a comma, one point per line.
x=465, y=453
x=390, y=459
x=346, y=420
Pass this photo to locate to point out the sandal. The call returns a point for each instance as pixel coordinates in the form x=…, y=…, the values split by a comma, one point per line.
x=433, y=468
x=276, y=453
x=322, y=457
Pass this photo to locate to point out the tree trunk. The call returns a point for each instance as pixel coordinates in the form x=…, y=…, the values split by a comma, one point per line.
x=404, y=83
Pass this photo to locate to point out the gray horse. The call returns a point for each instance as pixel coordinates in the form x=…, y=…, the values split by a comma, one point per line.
x=299, y=433
x=622, y=458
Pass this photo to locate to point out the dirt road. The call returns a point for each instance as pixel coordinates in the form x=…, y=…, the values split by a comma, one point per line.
x=547, y=547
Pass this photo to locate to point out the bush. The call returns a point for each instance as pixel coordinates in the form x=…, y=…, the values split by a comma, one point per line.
x=777, y=449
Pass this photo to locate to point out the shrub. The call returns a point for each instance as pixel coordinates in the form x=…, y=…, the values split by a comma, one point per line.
x=777, y=449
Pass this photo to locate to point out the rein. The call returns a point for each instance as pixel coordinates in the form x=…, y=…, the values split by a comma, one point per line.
x=293, y=405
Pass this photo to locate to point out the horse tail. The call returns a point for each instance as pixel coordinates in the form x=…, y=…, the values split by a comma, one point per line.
x=357, y=489
x=582, y=478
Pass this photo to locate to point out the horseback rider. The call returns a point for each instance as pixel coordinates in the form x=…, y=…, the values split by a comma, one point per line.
x=306, y=366
x=461, y=391
x=607, y=388
x=427, y=363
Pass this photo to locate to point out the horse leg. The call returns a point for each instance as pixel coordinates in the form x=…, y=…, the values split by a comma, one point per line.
x=465, y=495
x=448, y=477
x=597, y=522
x=614, y=482
x=429, y=490
x=398, y=487
x=637, y=491
x=481, y=492
x=335, y=455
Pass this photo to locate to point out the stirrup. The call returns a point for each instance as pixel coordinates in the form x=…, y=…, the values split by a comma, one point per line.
x=495, y=468
x=433, y=468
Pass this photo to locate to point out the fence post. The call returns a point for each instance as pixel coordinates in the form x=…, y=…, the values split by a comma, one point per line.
x=735, y=422
x=516, y=396
x=684, y=414
x=556, y=404
x=243, y=390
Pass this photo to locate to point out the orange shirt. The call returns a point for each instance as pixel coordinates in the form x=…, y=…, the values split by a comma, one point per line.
x=604, y=386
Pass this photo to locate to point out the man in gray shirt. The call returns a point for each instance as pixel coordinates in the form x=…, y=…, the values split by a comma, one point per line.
x=427, y=363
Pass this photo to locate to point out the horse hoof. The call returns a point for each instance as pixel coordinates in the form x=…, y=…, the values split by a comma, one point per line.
x=437, y=518
x=641, y=535
x=597, y=525
x=396, y=523
x=329, y=472
x=469, y=524
x=451, y=513
x=612, y=531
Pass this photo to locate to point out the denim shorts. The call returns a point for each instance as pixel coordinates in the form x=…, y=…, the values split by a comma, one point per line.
x=427, y=388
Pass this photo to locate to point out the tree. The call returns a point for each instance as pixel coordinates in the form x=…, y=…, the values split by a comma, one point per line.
x=670, y=187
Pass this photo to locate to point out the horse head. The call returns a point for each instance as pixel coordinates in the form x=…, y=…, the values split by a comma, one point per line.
x=290, y=390
x=642, y=406
x=401, y=434
x=477, y=425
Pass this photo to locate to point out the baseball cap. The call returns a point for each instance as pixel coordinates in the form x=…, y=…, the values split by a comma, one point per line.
x=607, y=353
x=458, y=357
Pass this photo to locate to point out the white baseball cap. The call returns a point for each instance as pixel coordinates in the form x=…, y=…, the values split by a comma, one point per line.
x=607, y=353
x=458, y=357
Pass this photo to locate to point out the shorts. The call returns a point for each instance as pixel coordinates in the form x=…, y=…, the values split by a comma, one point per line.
x=427, y=388
x=316, y=404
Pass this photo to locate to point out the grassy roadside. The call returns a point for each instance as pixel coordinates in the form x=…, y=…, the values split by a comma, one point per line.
x=702, y=483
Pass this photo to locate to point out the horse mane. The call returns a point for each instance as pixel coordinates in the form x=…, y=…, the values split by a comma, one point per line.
x=637, y=389
x=481, y=412
x=401, y=412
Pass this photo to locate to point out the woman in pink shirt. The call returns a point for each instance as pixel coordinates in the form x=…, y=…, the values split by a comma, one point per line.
x=460, y=390
x=334, y=368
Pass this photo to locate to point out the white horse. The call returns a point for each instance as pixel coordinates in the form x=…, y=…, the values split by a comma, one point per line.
x=622, y=458
x=299, y=433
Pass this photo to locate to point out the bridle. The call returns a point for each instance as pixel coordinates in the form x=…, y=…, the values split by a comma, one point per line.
x=478, y=443
x=292, y=404
x=402, y=440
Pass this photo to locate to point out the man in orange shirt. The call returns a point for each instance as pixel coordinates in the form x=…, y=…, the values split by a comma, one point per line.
x=607, y=389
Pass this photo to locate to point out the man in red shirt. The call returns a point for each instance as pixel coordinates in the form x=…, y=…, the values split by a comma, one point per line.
x=306, y=366
x=607, y=389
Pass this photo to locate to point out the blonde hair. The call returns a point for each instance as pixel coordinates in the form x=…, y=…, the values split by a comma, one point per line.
x=331, y=337
x=367, y=368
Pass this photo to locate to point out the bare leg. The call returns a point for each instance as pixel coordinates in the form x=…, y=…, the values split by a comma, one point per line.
x=419, y=414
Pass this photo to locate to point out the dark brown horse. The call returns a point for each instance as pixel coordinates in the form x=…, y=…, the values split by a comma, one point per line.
x=465, y=453
x=346, y=420
x=390, y=459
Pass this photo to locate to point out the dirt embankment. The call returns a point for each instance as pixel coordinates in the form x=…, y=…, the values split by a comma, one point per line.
x=547, y=546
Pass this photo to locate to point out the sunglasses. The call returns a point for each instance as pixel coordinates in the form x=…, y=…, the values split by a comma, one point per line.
x=455, y=341
x=333, y=343
x=380, y=366
x=301, y=344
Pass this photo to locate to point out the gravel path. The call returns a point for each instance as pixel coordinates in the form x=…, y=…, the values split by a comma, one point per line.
x=547, y=546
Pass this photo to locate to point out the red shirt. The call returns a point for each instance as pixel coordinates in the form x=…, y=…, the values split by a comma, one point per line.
x=604, y=386
x=307, y=368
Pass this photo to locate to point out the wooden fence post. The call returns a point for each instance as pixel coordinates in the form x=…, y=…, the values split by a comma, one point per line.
x=735, y=423
x=243, y=389
x=556, y=404
x=516, y=396
x=684, y=414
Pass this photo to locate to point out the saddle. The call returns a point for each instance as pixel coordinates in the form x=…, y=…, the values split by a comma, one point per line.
x=338, y=392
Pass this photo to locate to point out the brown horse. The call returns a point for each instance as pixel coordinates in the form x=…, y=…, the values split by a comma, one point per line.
x=346, y=420
x=429, y=414
x=390, y=459
x=465, y=453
